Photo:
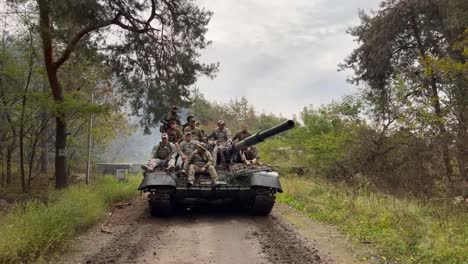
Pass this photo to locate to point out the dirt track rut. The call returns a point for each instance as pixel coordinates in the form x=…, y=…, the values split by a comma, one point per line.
x=206, y=236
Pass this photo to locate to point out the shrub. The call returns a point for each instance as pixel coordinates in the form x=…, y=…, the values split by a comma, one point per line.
x=32, y=230
x=406, y=230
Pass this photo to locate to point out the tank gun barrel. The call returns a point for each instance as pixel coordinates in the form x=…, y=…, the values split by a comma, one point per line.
x=261, y=136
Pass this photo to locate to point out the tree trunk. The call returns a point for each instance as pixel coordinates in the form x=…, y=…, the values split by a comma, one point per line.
x=443, y=136
x=2, y=161
x=44, y=162
x=31, y=161
x=431, y=82
x=22, y=170
x=9, y=157
x=61, y=177
x=462, y=140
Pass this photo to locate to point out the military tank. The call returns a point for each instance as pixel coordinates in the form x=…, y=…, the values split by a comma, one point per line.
x=252, y=187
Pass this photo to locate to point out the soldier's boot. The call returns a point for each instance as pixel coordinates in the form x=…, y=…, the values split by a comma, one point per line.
x=247, y=162
x=214, y=176
x=170, y=168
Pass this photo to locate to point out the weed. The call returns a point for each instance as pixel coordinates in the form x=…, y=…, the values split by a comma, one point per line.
x=402, y=229
x=30, y=231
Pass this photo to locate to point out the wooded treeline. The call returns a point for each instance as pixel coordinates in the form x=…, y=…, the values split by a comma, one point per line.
x=407, y=127
x=27, y=109
x=139, y=54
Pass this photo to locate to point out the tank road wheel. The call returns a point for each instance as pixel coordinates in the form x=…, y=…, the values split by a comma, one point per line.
x=160, y=202
x=263, y=202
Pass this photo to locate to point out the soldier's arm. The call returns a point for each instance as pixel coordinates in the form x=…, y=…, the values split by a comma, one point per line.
x=236, y=136
x=212, y=135
x=181, y=147
x=209, y=159
x=173, y=147
x=164, y=119
x=179, y=134
x=228, y=135
x=188, y=161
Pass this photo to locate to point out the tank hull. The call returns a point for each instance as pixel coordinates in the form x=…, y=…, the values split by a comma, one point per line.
x=253, y=190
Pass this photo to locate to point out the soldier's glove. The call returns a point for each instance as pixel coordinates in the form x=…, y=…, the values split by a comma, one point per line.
x=203, y=169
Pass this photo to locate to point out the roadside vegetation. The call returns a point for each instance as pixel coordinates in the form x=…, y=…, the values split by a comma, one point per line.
x=402, y=229
x=35, y=228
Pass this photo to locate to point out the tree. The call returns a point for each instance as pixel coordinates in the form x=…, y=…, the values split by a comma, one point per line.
x=397, y=46
x=155, y=57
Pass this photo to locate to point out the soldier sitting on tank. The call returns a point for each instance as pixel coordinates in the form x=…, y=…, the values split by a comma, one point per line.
x=186, y=147
x=174, y=133
x=242, y=134
x=249, y=156
x=168, y=117
x=223, y=138
x=189, y=118
x=252, y=151
x=161, y=155
x=200, y=161
x=192, y=127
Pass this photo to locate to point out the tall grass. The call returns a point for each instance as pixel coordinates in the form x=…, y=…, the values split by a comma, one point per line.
x=32, y=230
x=403, y=230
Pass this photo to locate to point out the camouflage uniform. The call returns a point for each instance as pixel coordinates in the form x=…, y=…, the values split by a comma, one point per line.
x=175, y=134
x=167, y=118
x=241, y=135
x=160, y=155
x=249, y=156
x=189, y=118
x=223, y=138
x=198, y=160
x=196, y=132
x=186, y=148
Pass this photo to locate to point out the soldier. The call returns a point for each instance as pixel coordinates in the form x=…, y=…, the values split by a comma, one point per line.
x=174, y=133
x=242, y=134
x=189, y=118
x=223, y=138
x=186, y=147
x=250, y=156
x=168, y=117
x=199, y=162
x=192, y=127
x=161, y=154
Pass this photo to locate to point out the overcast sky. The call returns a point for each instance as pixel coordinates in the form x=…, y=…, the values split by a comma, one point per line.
x=283, y=54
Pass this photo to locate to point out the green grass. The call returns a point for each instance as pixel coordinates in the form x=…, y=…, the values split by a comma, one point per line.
x=403, y=230
x=30, y=231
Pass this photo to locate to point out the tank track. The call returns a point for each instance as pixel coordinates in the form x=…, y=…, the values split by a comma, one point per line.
x=160, y=202
x=263, y=202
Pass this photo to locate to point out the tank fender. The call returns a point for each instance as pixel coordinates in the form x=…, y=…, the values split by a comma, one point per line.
x=266, y=179
x=158, y=178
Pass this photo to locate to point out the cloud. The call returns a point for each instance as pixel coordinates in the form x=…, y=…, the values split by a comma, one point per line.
x=281, y=55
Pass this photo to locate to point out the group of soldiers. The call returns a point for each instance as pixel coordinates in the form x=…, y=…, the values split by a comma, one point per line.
x=185, y=147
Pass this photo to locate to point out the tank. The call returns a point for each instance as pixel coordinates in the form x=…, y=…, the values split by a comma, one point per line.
x=251, y=187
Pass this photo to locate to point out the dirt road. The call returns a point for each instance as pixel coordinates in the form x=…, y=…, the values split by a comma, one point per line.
x=208, y=236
